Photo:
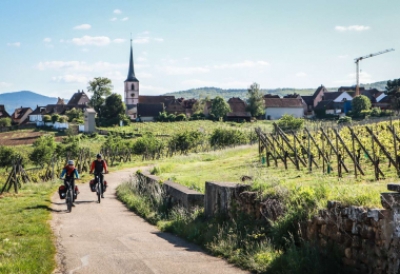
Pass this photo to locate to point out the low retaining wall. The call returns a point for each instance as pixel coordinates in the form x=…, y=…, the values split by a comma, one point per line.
x=183, y=196
x=368, y=238
x=176, y=195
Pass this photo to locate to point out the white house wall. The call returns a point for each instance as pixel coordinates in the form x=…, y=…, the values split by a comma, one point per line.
x=277, y=113
x=343, y=96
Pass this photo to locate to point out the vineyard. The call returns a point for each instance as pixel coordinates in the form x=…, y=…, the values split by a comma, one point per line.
x=365, y=151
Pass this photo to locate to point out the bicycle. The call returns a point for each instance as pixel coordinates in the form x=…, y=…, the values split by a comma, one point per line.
x=99, y=187
x=69, y=197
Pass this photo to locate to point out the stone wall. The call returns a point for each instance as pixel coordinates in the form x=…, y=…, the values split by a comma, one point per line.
x=368, y=238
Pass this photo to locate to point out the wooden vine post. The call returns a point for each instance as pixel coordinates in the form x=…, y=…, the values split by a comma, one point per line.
x=15, y=177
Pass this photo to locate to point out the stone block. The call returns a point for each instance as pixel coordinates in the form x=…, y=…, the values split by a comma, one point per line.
x=347, y=225
x=349, y=262
x=222, y=197
x=347, y=253
x=390, y=200
x=367, y=232
x=149, y=184
x=356, y=242
x=394, y=187
x=183, y=196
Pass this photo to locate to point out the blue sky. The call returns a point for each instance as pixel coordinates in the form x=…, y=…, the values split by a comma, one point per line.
x=55, y=47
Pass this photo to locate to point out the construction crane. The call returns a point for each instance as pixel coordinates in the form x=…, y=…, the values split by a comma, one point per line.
x=357, y=60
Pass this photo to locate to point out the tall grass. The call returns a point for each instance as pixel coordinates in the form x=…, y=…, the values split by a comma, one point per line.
x=26, y=239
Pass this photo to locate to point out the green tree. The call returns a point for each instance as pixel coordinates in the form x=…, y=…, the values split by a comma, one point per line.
x=360, y=103
x=393, y=91
x=255, y=101
x=43, y=150
x=46, y=118
x=114, y=110
x=74, y=115
x=55, y=118
x=63, y=119
x=101, y=88
x=6, y=156
x=200, y=104
x=5, y=122
x=219, y=108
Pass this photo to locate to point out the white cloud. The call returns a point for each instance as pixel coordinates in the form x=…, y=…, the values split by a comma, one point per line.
x=118, y=40
x=175, y=70
x=141, y=59
x=67, y=65
x=301, y=74
x=71, y=78
x=141, y=40
x=91, y=40
x=365, y=77
x=114, y=19
x=158, y=39
x=83, y=26
x=352, y=28
x=244, y=64
x=345, y=56
x=47, y=40
x=15, y=44
x=125, y=19
x=5, y=84
x=117, y=11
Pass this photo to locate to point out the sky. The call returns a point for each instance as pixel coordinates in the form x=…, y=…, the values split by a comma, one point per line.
x=54, y=47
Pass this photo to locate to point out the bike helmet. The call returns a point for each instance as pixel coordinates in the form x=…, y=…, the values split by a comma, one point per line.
x=71, y=162
x=98, y=156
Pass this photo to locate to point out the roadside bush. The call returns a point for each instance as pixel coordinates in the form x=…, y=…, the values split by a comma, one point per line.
x=148, y=146
x=43, y=150
x=228, y=137
x=180, y=117
x=185, y=141
x=289, y=122
x=376, y=112
x=344, y=120
x=6, y=156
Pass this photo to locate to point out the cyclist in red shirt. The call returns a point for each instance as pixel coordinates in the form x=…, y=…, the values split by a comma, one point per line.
x=99, y=167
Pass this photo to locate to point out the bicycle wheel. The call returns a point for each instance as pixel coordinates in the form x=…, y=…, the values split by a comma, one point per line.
x=69, y=200
x=98, y=192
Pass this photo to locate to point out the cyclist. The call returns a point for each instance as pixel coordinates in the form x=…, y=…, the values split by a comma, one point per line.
x=99, y=166
x=69, y=171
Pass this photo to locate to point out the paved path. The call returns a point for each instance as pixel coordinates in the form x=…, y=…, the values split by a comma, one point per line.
x=108, y=238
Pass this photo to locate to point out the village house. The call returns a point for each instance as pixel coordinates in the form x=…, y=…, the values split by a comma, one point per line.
x=21, y=115
x=3, y=112
x=78, y=101
x=275, y=108
x=238, y=110
x=312, y=101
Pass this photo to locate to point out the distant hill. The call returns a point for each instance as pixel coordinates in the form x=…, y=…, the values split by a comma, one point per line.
x=242, y=93
x=13, y=100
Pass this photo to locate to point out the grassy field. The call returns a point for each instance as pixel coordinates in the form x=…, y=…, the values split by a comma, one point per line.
x=231, y=164
x=26, y=239
x=204, y=126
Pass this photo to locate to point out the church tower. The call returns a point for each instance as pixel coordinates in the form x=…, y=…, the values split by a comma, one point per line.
x=131, y=88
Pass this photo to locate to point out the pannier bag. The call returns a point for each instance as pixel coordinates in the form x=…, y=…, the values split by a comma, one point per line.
x=92, y=185
x=105, y=185
x=62, y=191
x=76, y=191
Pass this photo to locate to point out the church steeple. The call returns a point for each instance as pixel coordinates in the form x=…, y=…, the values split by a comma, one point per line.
x=131, y=73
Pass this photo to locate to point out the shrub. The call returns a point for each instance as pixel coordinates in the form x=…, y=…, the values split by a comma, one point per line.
x=360, y=103
x=185, y=141
x=46, y=118
x=376, y=112
x=228, y=137
x=180, y=117
x=5, y=122
x=344, y=119
x=289, y=122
